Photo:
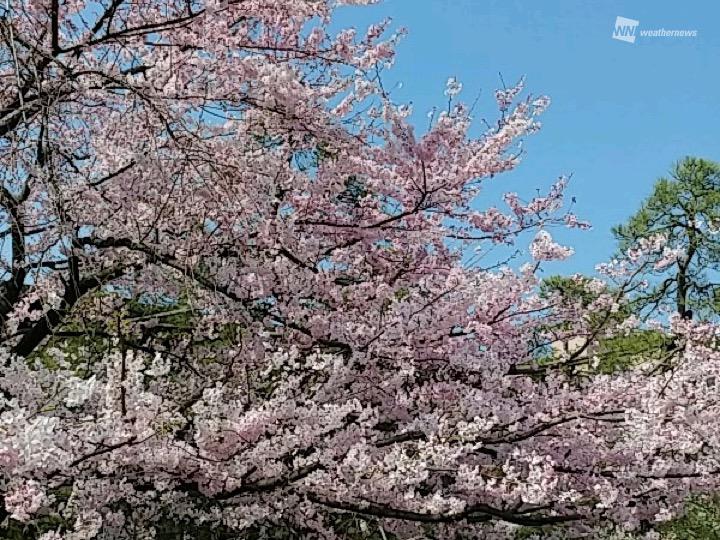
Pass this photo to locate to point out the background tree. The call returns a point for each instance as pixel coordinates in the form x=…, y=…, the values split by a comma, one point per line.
x=684, y=208
x=589, y=348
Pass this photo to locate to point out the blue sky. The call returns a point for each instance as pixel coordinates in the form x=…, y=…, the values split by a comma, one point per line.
x=621, y=113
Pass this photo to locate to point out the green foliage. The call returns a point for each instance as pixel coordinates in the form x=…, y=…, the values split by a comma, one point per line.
x=575, y=289
x=621, y=352
x=686, y=209
x=569, y=288
x=615, y=352
x=701, y=521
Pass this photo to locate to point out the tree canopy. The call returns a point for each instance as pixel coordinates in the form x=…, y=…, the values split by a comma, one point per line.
x=233, y=297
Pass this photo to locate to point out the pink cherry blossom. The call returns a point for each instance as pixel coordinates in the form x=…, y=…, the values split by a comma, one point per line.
x=543, y=248
x=241, y=289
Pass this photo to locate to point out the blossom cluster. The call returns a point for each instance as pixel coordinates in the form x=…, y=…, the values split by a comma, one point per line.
x=238, y=295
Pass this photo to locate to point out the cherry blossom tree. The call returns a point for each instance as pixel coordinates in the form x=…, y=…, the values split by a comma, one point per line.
x=238, y=290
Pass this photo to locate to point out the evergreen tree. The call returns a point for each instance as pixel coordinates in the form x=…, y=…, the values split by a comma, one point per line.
x=685, y=209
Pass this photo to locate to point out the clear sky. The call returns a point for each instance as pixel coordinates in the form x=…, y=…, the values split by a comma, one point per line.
x=621, y=113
